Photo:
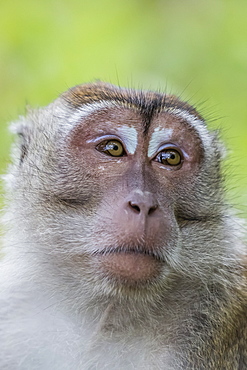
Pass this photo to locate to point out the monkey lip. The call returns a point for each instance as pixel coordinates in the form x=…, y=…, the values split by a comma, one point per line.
x=130, y=265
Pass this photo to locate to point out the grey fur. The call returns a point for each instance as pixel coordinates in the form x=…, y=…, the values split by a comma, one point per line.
x=55, y=314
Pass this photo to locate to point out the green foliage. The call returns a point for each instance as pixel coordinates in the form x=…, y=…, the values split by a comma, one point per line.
x=196, y=48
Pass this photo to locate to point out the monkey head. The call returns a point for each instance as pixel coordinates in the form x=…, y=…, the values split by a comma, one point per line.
x=118, y=180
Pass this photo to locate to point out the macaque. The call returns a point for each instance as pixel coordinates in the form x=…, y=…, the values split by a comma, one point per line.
x=120, y=249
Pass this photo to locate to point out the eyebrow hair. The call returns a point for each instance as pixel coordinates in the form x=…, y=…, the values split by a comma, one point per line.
x=148, y=103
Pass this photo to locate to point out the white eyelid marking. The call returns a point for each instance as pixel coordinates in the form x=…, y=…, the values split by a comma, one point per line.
x=129, y=135
x=159, y=135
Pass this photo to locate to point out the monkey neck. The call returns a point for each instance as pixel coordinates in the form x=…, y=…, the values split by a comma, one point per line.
x=120, y=315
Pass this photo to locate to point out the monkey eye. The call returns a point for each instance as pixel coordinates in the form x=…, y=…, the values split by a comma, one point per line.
x=112, y=147
x=170, y=157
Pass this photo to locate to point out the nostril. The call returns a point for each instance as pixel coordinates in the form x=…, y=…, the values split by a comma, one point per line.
x=142, y=204
x=135, y=207
x=142, y=208
x=152, y=210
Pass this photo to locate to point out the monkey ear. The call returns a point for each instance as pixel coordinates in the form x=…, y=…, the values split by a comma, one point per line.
x=23, y=130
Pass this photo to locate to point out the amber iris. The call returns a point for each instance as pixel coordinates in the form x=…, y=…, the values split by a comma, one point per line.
x=112, y=147
x=169, y=157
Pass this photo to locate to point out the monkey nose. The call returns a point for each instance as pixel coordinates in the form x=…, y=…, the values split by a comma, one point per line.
x=142, y=203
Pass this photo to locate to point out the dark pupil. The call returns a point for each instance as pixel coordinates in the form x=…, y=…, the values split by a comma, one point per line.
x=171, y=156
x=114, y=147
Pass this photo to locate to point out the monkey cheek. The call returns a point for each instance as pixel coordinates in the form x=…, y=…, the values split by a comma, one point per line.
x=130, y=267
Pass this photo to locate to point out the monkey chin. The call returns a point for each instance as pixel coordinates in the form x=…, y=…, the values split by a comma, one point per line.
x=131, y=267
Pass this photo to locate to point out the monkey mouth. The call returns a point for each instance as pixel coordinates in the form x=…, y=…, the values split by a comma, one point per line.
x=131, y=264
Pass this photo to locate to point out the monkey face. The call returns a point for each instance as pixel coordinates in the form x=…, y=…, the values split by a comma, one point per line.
x=137, y=174
x=124, y=179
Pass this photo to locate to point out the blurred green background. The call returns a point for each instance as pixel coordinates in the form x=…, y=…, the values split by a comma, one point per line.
x=194, y=48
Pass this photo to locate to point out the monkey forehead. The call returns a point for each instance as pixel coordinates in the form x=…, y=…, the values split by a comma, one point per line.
x=104, y=114
x=88, y=99
x=148, y=102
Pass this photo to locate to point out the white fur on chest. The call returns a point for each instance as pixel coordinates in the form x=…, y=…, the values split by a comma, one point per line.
x=45, y=339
